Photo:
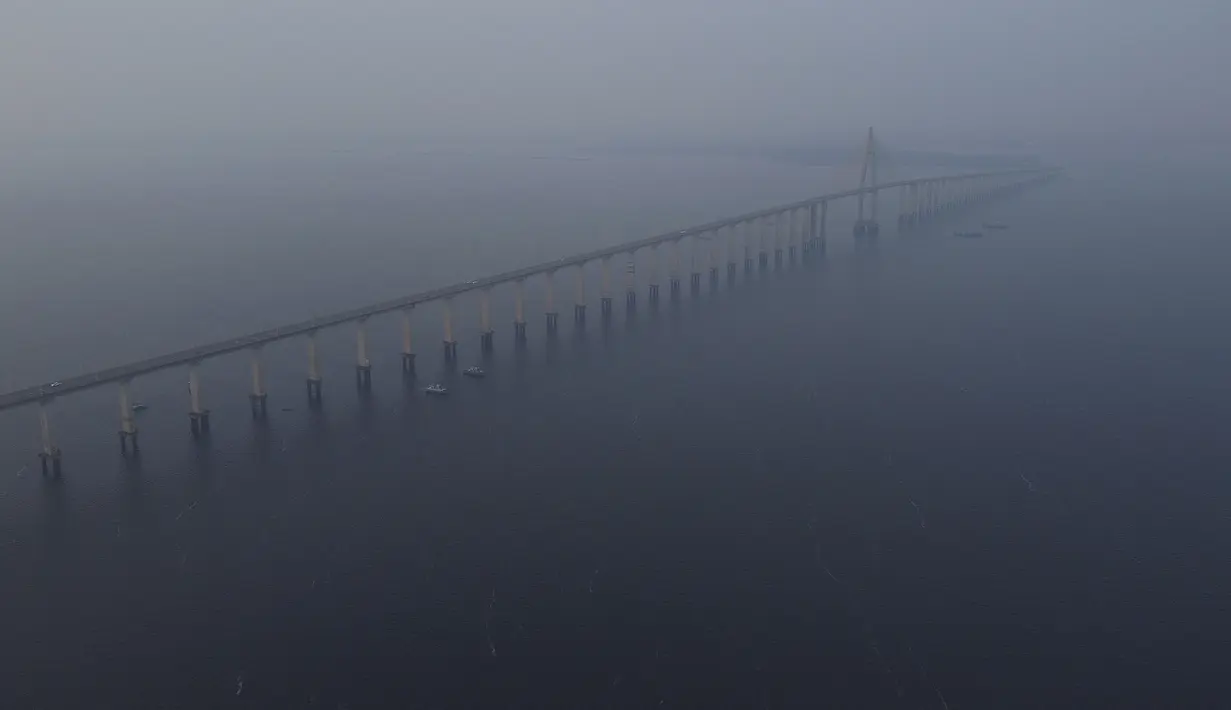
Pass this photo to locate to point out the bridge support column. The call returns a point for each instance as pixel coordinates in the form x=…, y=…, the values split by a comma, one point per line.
x=810, y=238
x=732, y=238
x=128, y=423
x=408, y=355
x=673, y=268
x=653, y=275
x=486, y=334
x=579, y=304
x=257, y=399
x=314, y=372
x=363, y=366
x=776, y=230
x=198, y=417
x=868, y=226
x=859, y=220
x=792, y=229
x=50, y=454
x=553, y=317
x=711, y=258
x=605, y=284
x=694, y=265
x=823, y=238
x=751, y=227
x=762, y=225
x=450, y=343
x=519, y=311
x=630, y=283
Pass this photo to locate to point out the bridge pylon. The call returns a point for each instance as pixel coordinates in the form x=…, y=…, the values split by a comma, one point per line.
x=867, y=225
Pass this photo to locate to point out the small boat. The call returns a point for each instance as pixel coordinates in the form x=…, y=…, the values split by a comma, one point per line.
x=139, y=407
x=995, y=225
x=968, y=234
x=436, y=389
x=474, y=372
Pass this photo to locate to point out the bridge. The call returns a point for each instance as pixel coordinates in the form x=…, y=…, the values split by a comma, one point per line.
x=921, y=201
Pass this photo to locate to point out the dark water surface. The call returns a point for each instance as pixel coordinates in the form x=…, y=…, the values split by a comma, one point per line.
x=923, y=471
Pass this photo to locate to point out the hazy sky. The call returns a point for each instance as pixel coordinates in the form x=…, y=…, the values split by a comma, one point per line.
x=83, y=71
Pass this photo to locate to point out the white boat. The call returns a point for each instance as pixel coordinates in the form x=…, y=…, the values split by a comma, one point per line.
x=436, y=389
x=474, y=372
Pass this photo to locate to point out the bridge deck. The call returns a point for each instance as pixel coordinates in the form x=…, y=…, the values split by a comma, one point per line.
x=131, y=370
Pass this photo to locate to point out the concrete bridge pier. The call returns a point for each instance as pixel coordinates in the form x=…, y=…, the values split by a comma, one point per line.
x=450, y=343
x=630, y=283
x=711, y=258
x=257, y=399
x=553, y=318
x=198, y=416
x=605, y=285
x=764, y=225
x=733, y=231
x=363, y=366
x=868, y=226
x=809, y=239
x=486, y=334
x=777, y=229
x=50, y=454
x=750, y=231
x=519, y=311
x=128, y=422
x=579, y=304
x=653, y=275
x=792, y=228
x=314, y=372
x=694, y=273
x=408, y=355
x=673, y=267
x=822, y=239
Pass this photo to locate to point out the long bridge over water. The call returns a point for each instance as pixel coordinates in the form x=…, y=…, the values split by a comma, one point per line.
x=796, y=228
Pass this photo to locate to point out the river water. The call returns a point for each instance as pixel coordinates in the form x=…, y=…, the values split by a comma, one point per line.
x=921, y=471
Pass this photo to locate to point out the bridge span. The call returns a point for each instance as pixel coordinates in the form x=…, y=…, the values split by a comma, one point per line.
x=921, y=200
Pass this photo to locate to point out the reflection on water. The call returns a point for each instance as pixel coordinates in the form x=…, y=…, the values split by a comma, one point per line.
x=919, y=472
